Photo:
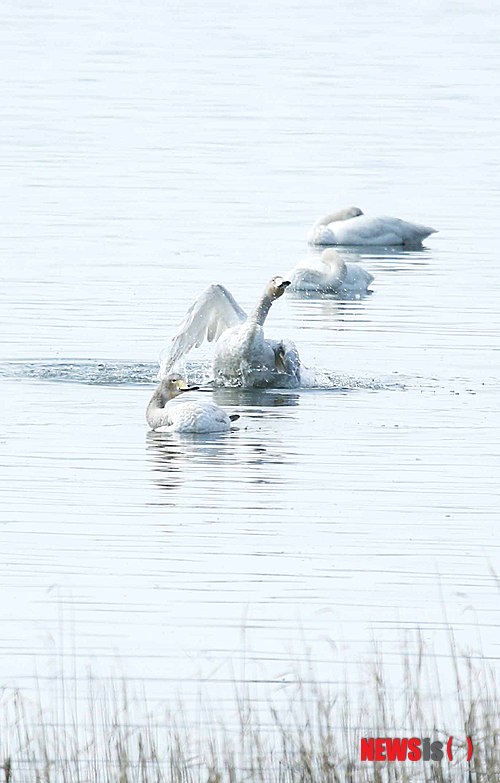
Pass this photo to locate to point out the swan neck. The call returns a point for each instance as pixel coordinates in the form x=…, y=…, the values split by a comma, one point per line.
x=156, y=405
x=259, y=315
x=339, y=215
x=331, y=218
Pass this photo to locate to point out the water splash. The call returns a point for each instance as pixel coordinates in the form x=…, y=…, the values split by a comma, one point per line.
x=315, y=378
x=89, y=372
x=106, y=373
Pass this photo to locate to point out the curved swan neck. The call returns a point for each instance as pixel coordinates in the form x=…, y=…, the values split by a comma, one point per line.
x=259, y=315
x=153, y=416
x=341, y=214
x=161, y=396
x=156, y=404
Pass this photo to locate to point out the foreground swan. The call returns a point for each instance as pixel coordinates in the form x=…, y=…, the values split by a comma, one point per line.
x=351, y=227
x=243, y=356
x=330, y=274
x=192, y=416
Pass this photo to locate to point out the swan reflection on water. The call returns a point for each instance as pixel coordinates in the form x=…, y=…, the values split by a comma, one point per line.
x=406, y=257
x=388, y=259
x=214, y=463
x=172, y=455
x=244, y=457
x=327, y=311
x=255, y=399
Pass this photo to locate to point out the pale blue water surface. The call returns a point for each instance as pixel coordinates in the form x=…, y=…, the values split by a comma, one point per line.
x=151, y=148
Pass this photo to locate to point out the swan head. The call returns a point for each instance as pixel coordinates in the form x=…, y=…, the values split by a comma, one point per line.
x=277, y=287
x=333, y=217
x=171, y=386
x=351, y=212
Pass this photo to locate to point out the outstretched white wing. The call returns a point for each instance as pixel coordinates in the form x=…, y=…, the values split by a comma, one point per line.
x=214, y=311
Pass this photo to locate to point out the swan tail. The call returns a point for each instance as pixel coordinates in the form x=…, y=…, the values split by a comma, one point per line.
x=415, y=232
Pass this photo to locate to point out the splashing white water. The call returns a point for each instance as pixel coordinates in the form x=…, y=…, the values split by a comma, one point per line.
x=108, y=373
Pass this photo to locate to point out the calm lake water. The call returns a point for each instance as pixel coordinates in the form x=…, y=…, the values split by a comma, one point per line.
x=151, y=148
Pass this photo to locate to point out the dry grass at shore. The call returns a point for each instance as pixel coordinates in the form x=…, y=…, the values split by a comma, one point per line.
x=313, y=738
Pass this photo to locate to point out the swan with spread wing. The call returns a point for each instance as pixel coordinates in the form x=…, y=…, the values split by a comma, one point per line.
x=243, y=355
x=351, y=227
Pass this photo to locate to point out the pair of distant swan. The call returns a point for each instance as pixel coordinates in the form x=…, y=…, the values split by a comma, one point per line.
x=330, y=274
x=243, y=356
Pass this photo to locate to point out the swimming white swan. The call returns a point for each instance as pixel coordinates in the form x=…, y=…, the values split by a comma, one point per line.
x=166, y=415
x=351, y=227
x=330, y=274
x=243, y=356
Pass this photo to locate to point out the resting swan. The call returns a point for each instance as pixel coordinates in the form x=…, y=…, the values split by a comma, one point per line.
x=243, y=356
x=330, y=274
x=188, y=417
x=351, y=227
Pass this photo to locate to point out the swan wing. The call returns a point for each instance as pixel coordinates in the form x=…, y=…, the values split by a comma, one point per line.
x=212, y=313
x=365, y=230
x=357, y=276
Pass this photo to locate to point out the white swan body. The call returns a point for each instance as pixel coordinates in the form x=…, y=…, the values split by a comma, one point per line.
x=330, y=274
x=243, y=355
x=351, y=227
x=165, y=414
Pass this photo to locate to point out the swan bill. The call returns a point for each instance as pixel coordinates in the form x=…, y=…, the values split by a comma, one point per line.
x=183, y=387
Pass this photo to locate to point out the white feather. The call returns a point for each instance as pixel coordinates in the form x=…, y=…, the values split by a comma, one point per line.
x=192, y=417
x=330, y=274
x=166, y=413
x=351, y=227
x=212, y=313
